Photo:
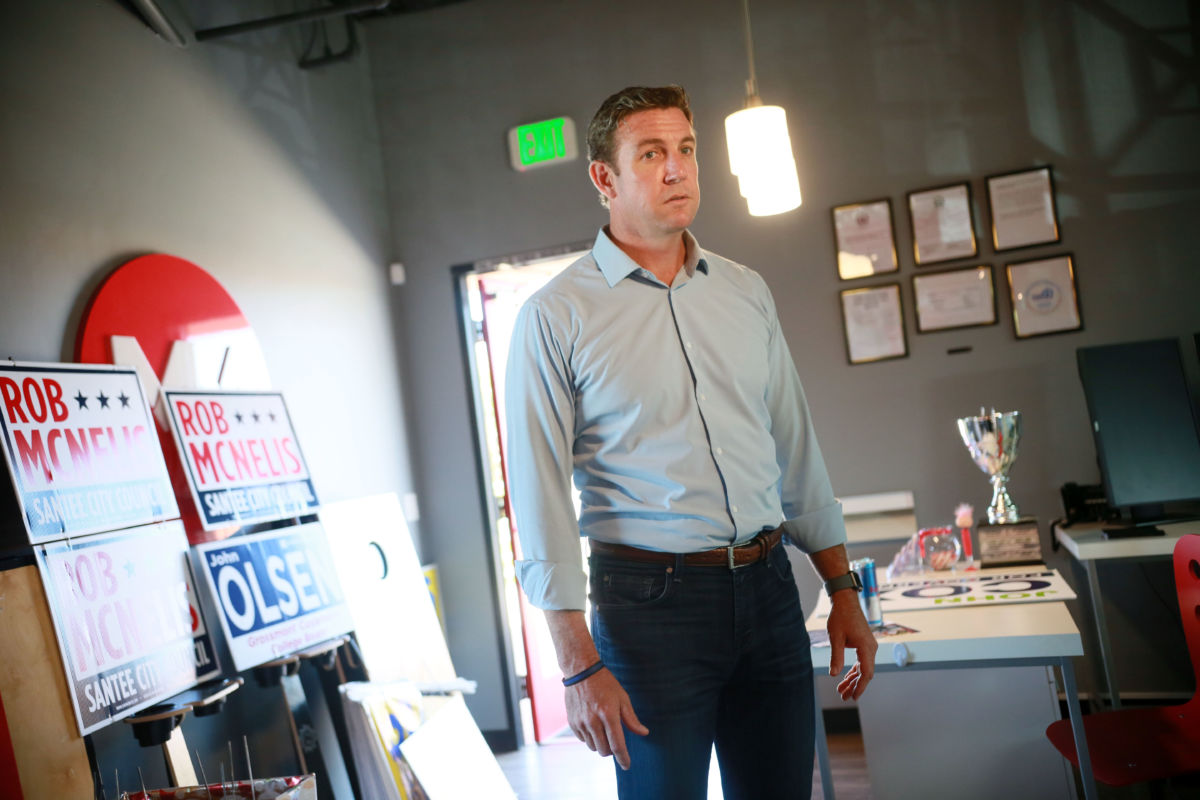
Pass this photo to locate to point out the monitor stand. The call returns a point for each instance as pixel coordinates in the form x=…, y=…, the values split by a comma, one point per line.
x=1145, y=521
x=1134, y=529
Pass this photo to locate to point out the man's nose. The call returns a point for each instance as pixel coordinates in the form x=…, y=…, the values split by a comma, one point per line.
x=676, y=169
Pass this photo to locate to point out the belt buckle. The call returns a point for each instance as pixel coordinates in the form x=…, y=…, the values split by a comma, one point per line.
x=729, y=554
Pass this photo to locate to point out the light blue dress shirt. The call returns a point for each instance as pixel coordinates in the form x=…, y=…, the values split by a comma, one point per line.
x=676, y=410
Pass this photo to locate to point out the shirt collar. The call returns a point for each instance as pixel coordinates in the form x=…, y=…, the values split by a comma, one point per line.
x=615, y=265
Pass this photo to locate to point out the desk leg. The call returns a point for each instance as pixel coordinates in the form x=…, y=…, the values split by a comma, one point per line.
x=1076, y=714
x=1110, y=675
x=822, y=748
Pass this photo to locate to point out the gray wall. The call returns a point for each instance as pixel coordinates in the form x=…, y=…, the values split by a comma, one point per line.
x=117, y=144
x=114, y=144
x=883, y=98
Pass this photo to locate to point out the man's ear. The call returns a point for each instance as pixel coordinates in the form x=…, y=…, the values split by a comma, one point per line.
x=602, y=174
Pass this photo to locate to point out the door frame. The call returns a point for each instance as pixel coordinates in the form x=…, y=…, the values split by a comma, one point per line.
x=513, y=736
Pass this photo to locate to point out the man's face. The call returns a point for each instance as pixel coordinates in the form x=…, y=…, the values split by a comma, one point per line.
x=656, y=187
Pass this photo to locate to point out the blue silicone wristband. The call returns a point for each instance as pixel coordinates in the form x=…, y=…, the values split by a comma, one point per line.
x=583, y=676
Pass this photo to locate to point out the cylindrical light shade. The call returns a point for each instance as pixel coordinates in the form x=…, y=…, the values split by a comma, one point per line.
x=760, y=155
x=772, y=192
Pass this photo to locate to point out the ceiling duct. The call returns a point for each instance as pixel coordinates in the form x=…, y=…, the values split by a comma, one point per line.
x=295, y=18
x=164, y=19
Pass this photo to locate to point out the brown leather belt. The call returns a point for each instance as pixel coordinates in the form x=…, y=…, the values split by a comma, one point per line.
x=732, y=557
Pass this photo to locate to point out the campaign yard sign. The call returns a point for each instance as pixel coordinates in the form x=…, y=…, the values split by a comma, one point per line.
x=973, y=589
x=82, y=449
x=277, y=592
x=964, y=589
x=129, y=628
x=241, y=456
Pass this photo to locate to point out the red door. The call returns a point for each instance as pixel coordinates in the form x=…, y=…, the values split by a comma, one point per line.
x=501, y=295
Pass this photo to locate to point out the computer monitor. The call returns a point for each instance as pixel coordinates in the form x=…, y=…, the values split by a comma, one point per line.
x=1144, y=425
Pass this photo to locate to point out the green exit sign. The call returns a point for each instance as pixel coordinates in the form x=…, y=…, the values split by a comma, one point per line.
x=540, y=144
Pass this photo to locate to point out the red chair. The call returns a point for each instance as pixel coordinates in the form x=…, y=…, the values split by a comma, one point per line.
x=1143, y=744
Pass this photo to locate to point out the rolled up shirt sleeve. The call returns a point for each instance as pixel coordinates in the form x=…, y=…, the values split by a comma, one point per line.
x=540, y=411
x=812, y=515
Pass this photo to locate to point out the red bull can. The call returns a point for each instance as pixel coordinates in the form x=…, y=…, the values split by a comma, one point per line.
x=868, y=598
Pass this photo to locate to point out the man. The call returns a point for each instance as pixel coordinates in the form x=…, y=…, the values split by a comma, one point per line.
x=655, y=373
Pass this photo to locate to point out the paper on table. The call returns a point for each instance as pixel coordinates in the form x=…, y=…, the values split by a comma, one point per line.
x=821, y=638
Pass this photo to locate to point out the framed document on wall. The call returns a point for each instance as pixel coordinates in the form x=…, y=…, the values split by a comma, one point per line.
x=866, y=243
x=941, y=224
x=1044, y=297
x=873, y=321
x=1022, y=208
x=957, y=298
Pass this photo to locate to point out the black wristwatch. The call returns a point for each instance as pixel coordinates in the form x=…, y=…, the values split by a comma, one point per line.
x=848, y=581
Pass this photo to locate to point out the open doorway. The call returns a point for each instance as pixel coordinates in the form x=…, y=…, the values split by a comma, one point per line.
x=491, y=293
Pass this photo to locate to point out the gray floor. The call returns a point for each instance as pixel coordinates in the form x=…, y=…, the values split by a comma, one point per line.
x=566, y=770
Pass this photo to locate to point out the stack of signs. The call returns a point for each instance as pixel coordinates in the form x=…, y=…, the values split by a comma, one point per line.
x=241, y=456
x=83, y=453
x=277, y=592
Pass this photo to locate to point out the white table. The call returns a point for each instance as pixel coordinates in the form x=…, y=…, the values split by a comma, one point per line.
x=1017, y=635
x=1087, y=543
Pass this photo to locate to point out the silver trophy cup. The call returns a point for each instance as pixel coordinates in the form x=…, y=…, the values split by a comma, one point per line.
x=992, y=440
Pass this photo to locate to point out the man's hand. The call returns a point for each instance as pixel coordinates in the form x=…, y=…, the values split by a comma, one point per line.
x=848, y=628
x=596, y=708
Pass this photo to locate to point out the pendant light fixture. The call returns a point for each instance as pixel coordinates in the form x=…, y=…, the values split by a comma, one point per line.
x=760, y=150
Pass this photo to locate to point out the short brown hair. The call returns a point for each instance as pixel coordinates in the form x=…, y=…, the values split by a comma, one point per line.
x=602, y=131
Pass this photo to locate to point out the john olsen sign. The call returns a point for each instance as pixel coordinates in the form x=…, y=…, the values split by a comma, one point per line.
x=277, y=592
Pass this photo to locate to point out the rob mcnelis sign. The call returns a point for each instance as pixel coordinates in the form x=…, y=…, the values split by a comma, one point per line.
x=82, y=449
x=241, y=456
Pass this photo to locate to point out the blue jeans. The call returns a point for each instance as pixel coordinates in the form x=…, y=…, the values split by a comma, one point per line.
x=709, y=656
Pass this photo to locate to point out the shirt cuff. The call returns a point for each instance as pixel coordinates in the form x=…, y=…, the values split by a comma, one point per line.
x=817, y=530
x=551, y=586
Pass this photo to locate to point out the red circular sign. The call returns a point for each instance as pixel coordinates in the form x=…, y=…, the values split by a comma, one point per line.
x=159, y=299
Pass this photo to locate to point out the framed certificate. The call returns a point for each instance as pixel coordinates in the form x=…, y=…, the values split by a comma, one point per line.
x=1022, y=208
x=958, y=298
x=866, y=244
x=874, y=323
x=1044, y=297
x=942, y=229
